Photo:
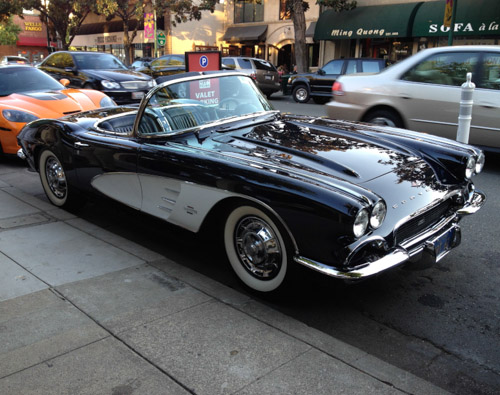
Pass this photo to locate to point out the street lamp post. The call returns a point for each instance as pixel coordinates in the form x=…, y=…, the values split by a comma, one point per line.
x=45, y=5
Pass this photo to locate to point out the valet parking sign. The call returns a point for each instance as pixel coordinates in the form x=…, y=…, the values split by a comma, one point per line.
x=206, y=91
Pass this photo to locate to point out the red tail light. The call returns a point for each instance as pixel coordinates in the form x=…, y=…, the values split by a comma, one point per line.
x=337, y=89
x=254, y=76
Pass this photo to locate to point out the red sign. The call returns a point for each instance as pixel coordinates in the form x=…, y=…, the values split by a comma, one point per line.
x=203, y=61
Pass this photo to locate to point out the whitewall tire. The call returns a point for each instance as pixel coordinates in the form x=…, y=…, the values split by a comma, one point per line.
x=256, y=248
x=53, y=178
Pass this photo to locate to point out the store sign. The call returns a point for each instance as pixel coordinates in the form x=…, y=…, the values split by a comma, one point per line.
x=339, y=33
x=466, y=28
x=33, y=26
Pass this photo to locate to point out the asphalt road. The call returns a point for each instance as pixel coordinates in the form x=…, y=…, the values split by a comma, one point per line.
x=440, y=323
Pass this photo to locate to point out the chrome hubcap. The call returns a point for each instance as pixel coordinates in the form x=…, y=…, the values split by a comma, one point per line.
x=56, y=178
x=383, y=121
x=301, y=94
x=258, y=248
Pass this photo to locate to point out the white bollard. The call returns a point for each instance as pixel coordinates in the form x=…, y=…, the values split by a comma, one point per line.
x=465, y=113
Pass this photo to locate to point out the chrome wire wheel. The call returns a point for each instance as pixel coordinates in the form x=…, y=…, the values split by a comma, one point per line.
x=255, y=248
x=56, y=177
x=258, y=248
x=53, y=178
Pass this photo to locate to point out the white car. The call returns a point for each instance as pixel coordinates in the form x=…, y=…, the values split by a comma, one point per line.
x=423, y=93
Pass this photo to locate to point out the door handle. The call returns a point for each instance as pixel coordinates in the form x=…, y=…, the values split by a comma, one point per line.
x=487, y=105
x=79, y=145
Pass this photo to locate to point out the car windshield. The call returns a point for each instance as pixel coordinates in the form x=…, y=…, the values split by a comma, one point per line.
x=25, y=79
x=98, y=61
x=197, y=102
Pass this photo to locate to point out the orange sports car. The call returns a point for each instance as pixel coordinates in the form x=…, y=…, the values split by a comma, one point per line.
x=27, y=93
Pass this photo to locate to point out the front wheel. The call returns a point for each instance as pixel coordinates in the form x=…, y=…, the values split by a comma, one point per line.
x=301, y=94
x=54, y=181
x=256, y=248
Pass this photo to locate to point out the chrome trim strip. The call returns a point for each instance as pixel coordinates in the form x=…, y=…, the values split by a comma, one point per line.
x=393, y=259
x=455, y=124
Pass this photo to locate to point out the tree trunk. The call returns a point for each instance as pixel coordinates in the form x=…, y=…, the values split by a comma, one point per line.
x=299, y=25
x=126, y=44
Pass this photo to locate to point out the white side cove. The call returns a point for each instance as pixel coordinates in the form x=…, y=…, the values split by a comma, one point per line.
x=182, y=203
x=124, y=187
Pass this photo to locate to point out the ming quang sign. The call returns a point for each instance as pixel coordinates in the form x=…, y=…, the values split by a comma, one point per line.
x=33, y=26
x=340, y=33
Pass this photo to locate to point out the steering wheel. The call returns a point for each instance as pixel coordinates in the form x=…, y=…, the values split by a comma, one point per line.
x=228, y=104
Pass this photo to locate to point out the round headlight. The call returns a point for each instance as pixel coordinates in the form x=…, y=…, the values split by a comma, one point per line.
x=361, y=223
x=480, y=163
x=378, y=214
x=470, y=167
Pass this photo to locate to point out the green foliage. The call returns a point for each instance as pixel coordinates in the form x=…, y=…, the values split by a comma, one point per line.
x=338, y=5
x=9, y=32
x=9, y=8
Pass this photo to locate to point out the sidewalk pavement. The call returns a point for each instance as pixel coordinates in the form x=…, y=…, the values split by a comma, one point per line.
x=83, y=311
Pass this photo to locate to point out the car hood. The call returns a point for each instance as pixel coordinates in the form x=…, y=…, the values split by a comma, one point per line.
x=313, y=146
x=50, y=104
x=117, y=75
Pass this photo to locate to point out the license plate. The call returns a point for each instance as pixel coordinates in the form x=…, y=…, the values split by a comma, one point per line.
x=444, y=243
x=269, y=77
x=137, y=95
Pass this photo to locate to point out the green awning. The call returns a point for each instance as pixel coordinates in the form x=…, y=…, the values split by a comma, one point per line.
x=474, y=18
x=391, y=20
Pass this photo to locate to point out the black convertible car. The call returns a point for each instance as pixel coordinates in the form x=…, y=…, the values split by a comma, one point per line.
x=346, y=199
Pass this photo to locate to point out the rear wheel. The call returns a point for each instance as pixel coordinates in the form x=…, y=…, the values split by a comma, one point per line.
x=256, y=248
x=301, y=94
x=385, y=118
x=54, y=181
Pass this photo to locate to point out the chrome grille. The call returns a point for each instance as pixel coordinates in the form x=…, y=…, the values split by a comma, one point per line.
x=423, y=221
x=134, y=85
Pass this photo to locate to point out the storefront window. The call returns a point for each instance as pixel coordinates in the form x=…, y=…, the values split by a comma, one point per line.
x=248, y=11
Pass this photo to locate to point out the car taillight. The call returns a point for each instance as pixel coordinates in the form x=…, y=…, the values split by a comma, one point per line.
x=337, y=89
x=254, y=76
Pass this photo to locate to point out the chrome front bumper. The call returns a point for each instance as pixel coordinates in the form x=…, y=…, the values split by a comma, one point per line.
x=21, y=154
x=425, y=246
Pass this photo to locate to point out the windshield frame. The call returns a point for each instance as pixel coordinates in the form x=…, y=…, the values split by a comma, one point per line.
x=145, y=101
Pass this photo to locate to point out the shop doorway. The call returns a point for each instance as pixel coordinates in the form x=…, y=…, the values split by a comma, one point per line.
x=286, y=56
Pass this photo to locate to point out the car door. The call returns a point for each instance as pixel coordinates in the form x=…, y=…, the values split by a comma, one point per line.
x=485, y=124
x=53, y=65
x=428, y=94
x=325, y=77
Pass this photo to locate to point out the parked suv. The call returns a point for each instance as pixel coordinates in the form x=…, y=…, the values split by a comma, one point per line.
x=318, y=85
x=100, y=71
x=264, y=73
x=423, y=93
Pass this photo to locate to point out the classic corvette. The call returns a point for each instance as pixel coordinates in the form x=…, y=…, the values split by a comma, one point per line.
x=27, y=93
x=346, y=199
